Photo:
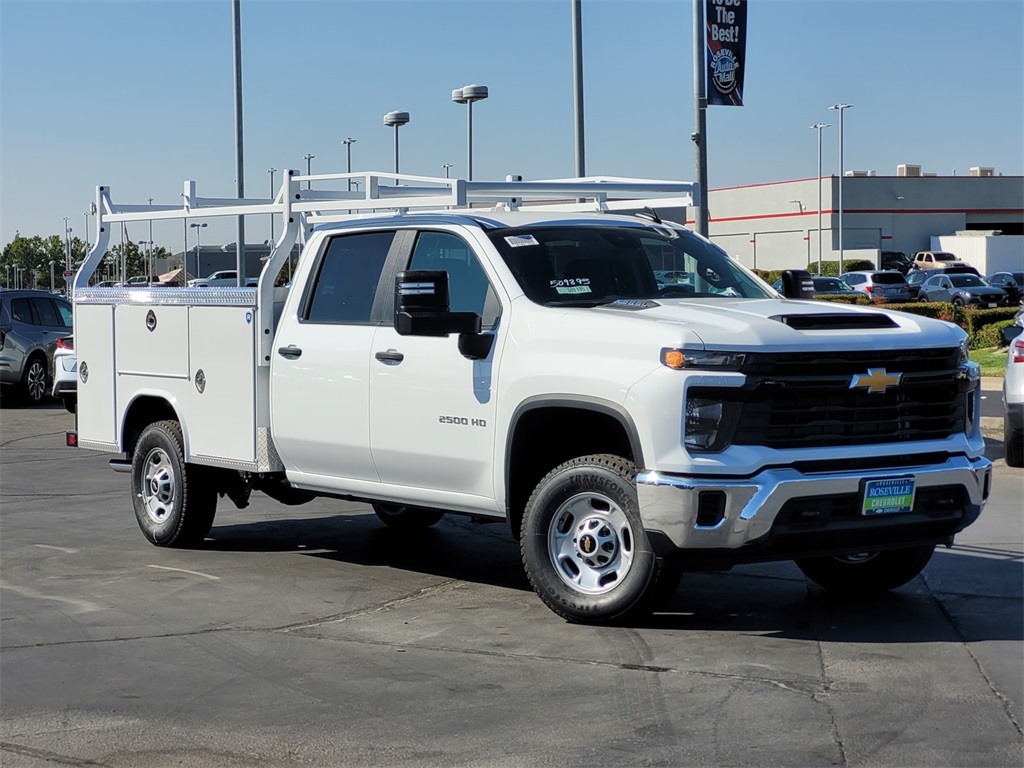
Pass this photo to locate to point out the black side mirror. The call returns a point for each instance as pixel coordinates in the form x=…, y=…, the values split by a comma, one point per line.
x=797, y=284
x=422, y=307
x=1011, y=332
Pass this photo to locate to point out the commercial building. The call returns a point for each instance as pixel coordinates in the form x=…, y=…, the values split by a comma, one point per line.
x=775, y=225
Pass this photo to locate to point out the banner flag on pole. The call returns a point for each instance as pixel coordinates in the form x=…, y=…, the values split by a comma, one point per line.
x=725, y=23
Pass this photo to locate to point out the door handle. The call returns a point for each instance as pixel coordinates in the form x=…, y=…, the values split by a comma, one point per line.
x=391, y=355
x=290, y=351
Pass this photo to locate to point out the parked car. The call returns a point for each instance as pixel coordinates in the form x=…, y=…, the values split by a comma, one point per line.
x=936, y=260
x=64, y=371
x=1013, y=394
x=885, y=285
x=142, y=280
x=825, y=286
x=29, y=322
x=897, y=260
x=107, y=284
x=1011, y=282
x=962, y=290
x=914, y=280
x=224, y=278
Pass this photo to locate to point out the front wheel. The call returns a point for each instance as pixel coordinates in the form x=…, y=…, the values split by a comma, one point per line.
x=866, y=572
x=174, y=501
x=583, y=545
x=405, y=518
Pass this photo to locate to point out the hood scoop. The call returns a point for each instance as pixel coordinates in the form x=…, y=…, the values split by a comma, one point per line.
x=836, y=321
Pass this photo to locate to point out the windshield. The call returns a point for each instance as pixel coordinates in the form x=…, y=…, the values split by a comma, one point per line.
x=597, y=264
x=966, y=281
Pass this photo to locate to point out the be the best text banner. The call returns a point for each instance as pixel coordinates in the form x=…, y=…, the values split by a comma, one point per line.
x=725, y=22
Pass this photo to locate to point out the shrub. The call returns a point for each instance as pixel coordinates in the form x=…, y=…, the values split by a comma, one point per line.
x=831, y=268
x=843, y=298
x=991, y=335
x=975, y=321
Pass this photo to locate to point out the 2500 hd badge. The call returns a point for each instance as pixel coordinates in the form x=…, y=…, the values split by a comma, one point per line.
x=462, y=421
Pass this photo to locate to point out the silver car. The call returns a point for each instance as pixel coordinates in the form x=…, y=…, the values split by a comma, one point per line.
x=1013, y=394
x=879, y=285
x=29, y=322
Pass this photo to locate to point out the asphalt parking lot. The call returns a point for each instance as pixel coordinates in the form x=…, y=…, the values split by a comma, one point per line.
x=314, y=636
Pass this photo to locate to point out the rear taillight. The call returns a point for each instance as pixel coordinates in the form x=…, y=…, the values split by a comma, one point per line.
x=869, y=288
x=1017, y=350
x=68, y=343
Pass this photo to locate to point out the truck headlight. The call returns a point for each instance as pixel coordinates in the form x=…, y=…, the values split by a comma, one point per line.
x=678, y=359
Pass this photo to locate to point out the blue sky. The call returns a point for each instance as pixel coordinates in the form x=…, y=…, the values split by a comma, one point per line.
x=138, y=94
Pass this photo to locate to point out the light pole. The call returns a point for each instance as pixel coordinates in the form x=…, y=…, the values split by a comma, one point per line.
x=396, y=119
x=149, y=262
x=52, y=283
x=447, y=167
x=840, y=107
x=67, y=243
x=197, y=227
x=307, y=157
x=148, y=253
x=467, y=94
x=819, y=127
x=272, y=171
x=348, y=158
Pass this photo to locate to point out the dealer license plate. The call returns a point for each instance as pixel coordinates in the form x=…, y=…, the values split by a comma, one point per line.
x=992, y=304
x=889, y=496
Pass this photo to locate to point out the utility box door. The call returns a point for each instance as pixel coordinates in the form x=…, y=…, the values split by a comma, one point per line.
x=94, y=346
x=152, y=340
x=221, y=403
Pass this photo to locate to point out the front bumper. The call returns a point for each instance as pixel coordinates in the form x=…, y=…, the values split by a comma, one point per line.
x=782, y=513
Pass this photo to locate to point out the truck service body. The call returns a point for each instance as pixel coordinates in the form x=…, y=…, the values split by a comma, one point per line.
x=526, y=364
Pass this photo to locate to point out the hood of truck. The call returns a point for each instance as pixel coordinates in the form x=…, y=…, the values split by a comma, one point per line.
x=770, y=324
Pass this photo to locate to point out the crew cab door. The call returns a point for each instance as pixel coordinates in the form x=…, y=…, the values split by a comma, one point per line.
x=431, y=408
x=321, y=359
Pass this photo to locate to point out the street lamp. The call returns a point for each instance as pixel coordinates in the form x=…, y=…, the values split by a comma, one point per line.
x=196, y=226
x=52, y=282
x=818, y=127
x=467, y=94
x=307, y=157
x=446, y=167
x=348, y=158
x=396, y=119
x=840, y=107
x=272, y=171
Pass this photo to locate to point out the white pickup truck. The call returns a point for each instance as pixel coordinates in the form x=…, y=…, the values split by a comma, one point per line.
x=528, y=363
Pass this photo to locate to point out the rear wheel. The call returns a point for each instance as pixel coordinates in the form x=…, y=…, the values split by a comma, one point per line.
x=174, y=502
x=405, y=518
x=1013, y=444
x=866, y=573
x=583, y=545
x=33, y=382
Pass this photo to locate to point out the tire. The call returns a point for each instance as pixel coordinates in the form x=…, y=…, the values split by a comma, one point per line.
x=866, y=573
x=33, y=381
x=583, y=545
x=1013, y=444
x=406, y=518
x=958, y=302
x=70, y=402
x=174, y=501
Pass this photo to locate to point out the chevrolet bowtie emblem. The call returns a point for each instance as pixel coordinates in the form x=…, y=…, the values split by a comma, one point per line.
x=876, y=380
